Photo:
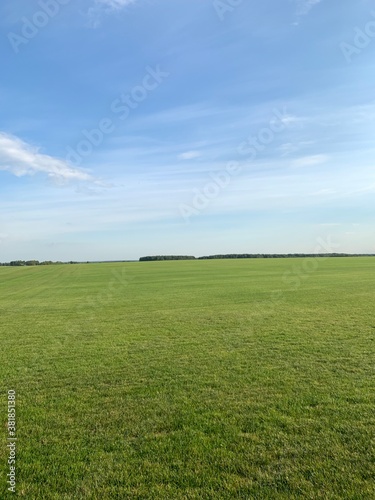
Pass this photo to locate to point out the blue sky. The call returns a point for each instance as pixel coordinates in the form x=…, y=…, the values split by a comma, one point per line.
x=132, y=128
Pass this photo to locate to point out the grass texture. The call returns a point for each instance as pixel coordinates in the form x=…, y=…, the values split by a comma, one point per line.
x=191, y=380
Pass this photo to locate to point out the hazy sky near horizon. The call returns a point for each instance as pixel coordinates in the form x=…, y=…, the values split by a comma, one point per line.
x=140, y=127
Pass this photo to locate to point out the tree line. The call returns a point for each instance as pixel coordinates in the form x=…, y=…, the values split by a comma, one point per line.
x=34, y=263
x=166, y=257
x=150, y=258
x=274, y=255
x=250, y=256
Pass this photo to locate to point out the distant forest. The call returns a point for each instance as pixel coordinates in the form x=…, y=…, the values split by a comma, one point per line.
x=251, y=256
x=191, y=257
x=167, y=257
x=34, y=263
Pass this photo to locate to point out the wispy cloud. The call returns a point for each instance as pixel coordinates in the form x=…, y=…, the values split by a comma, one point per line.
x=115, y=4
x=189, y=155
x=21, y=158
x=309, y=161
x=290, y=147
x=303, y=7
x=105, y=6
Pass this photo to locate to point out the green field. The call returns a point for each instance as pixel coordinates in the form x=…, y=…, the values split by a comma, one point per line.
x=191, y=380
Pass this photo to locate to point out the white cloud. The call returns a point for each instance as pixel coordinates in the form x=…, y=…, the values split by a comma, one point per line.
x=20, y=158
x=289, y=120
x=309, y=161
x=324, y=192
x=105, y=6
x=189, y=155
x=291, y=147
x=303, y=7
x=114, y=4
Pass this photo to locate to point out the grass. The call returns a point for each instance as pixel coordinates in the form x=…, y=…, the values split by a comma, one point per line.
x=191, y=380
